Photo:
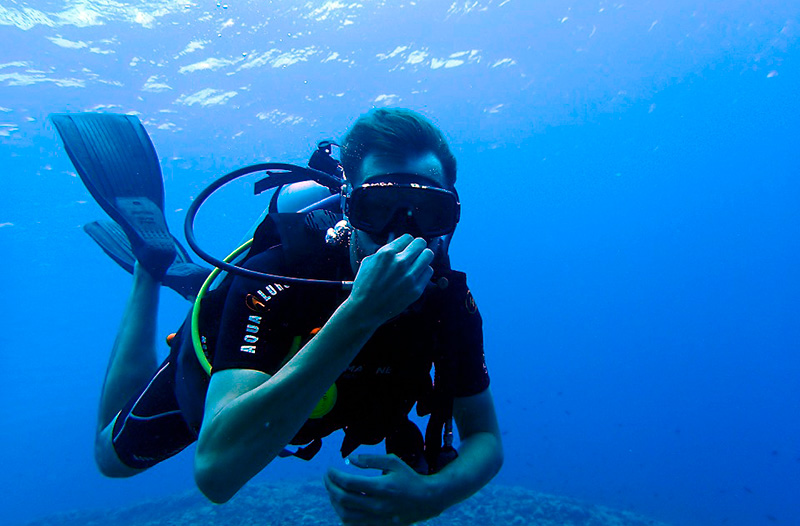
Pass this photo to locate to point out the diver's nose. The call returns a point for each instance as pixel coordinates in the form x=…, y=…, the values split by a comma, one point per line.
x=403, y=223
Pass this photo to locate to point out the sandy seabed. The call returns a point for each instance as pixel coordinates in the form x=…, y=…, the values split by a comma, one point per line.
x=306, y=504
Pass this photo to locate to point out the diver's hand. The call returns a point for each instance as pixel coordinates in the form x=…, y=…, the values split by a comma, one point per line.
x=400, y=496
x=392, y=278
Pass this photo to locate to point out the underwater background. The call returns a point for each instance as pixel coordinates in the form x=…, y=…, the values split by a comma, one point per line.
x=630, y=179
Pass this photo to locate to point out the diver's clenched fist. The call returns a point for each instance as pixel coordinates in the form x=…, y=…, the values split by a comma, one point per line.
x=393, y=278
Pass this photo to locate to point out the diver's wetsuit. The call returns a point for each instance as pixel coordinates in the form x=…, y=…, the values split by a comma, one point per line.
x=259, y=325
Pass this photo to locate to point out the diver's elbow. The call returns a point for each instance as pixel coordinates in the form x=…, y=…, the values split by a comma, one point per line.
x=498, y=460
x=496, y=456
x=210, y=486
x=212, y=482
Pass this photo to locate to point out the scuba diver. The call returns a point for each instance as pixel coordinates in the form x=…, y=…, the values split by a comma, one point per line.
x=331, y=318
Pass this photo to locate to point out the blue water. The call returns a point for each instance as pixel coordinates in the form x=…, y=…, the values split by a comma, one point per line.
x=630, y=181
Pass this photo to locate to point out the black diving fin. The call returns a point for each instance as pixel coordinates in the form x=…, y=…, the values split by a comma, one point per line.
x=183, y=276
x=117, y=162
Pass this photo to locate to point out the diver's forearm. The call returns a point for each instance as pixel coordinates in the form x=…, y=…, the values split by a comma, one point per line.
x=253, y=428
x=480, y=457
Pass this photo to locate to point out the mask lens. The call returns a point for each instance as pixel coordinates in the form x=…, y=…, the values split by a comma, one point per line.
x=371, y=209
x=437, y=215
x=424, y=211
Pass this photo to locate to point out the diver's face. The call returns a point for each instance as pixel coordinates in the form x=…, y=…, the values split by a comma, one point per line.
x=374, y=167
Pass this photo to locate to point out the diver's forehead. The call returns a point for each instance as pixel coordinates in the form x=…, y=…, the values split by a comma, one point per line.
x=427, y=168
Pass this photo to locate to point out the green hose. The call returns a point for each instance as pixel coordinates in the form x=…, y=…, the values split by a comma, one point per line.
x=196, y=342
x=328, y=400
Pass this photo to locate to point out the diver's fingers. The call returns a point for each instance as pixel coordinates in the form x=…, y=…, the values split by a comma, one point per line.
x=421, y=267
x=397, y=245
x=413, y=250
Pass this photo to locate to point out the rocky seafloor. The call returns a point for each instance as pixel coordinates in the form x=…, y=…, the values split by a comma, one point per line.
x=306, y=504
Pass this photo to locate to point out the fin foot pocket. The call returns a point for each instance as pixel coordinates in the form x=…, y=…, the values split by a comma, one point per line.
x=146, y=228
x=186, y=279
x=183, y=276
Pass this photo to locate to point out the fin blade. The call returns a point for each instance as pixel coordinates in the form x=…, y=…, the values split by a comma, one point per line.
x=113, y=155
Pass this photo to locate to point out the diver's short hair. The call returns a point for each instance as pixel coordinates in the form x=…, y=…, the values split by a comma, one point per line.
x=394, y=133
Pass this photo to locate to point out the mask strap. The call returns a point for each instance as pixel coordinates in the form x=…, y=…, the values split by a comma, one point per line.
x=345, y=197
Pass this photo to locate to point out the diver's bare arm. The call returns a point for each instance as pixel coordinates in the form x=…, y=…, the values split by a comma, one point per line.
x=251, y=416
x=480, y=454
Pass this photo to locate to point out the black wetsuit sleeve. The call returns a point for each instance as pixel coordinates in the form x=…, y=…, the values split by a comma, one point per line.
x=254, y=330
x=461, y=363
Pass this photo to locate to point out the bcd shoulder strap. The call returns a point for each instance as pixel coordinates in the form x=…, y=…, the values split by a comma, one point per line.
x=301, y=236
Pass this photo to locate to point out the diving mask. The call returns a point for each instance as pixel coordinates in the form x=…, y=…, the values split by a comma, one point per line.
x=385, y=206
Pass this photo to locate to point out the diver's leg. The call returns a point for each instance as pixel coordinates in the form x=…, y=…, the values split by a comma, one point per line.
x=133, y=356
x=131, y=365
x=106, y=458
x=150, y=427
